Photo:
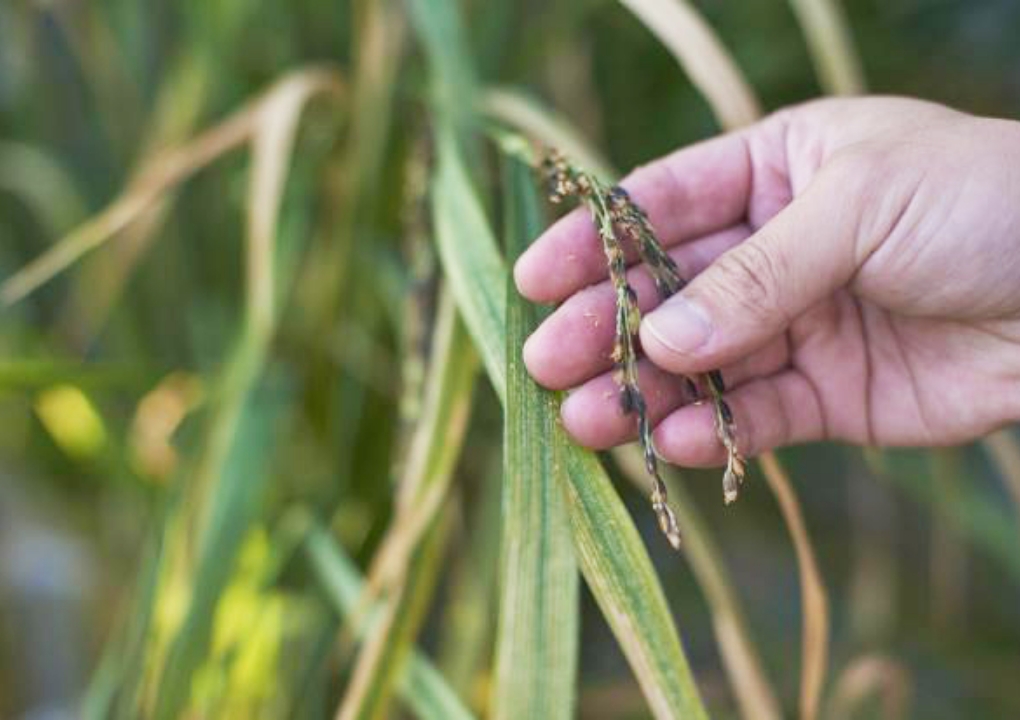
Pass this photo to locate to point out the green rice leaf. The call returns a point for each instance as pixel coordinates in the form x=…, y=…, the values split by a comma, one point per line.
x=418, y=525
x=470, y=258
x=464, y=647
x=751, y=687
x=984, y=522
x=536, y=647
x=234, y=504
x=621, y=577
x=613, y=559
x=452, y=78
x=750, y=684
x=421, y=686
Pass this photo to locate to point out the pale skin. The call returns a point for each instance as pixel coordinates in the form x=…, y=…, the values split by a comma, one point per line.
x=855, y=273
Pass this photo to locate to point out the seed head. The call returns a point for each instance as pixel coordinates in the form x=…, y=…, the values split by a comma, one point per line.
x=618, y=219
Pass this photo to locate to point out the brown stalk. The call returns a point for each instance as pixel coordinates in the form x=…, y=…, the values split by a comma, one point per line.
x=1005, y=452
x=814, y=600
x=872, y=675
x=265, y=122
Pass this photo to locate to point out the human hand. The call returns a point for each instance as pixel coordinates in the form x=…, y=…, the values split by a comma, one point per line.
x=856, y=276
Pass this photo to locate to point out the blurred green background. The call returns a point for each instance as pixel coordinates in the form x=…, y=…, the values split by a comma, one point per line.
x=108, y=373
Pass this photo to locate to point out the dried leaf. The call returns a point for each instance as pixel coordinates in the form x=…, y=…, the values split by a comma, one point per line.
x=814, y=602
x=695, y=46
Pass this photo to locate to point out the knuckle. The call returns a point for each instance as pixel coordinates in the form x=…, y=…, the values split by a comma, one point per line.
x=866, y=176
x=855, y=168
x=752, y=276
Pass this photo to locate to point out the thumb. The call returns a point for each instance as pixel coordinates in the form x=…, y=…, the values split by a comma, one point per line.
x=752, y=293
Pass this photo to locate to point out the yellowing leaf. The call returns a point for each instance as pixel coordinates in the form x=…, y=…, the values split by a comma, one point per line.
x=71, y=420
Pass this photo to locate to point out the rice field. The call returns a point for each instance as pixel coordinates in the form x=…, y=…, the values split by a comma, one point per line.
x=268, y=446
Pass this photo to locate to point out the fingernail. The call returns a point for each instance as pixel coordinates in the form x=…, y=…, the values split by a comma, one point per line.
x=680, y=324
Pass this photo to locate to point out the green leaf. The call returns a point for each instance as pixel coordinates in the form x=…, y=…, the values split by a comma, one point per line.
x=420, y=685
x=452, y=76
x=623, y=581
x=984, y=522
x=751, y=687
x=470, y=258
x=466, y=243
x=536, y=647
x=388, y=646
x=234, y=504
x=418, y=529
x=465, y=636
x=613, y=560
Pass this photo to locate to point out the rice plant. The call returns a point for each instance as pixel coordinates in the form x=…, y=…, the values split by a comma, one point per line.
x=270, y=447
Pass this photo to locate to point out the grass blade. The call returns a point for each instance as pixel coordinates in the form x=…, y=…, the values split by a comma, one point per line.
x=831, y=46
x=452, y=77
x=233, y=505
x=163, y=173
x=621, y=577
x=869, y=675
x=461, y=226
x=470, y=258
x=1004, y=450
x=613, y=560
x=616, y=565
x=527, y=116
x=750, y=684
x=695, y=46
x=814, y=603
x=536, y=647
x=420, y=685
x=410, y=551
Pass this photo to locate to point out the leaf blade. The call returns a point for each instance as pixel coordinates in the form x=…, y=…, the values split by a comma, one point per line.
x=622, y=578
x=420, y=685
x=695, y=46
x=417, y=532
x=537, y=640
x=814, y=599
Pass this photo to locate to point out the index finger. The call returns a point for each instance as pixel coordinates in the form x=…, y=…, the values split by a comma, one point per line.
x=690, y=193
